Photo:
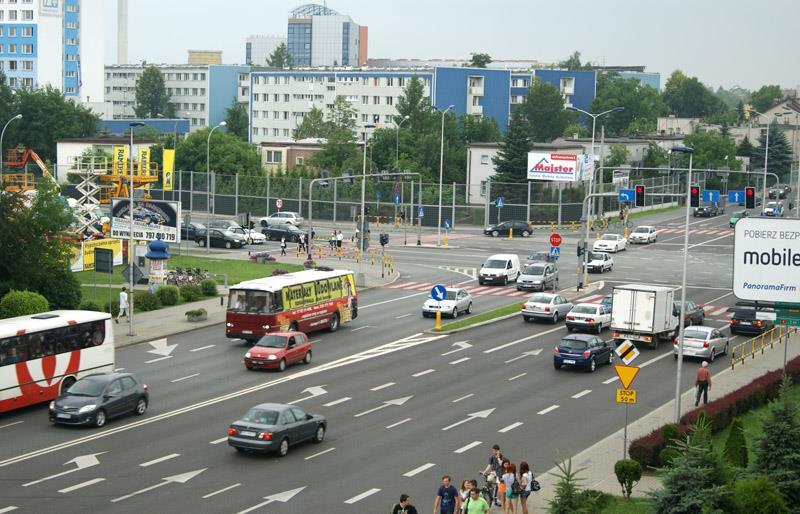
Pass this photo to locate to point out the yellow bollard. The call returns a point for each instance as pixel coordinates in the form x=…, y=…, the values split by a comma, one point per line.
x=438, y=321
x=552, y=226
x=510, y=233
x=446, y=240
x=378, y=221
x=627, y=232
x=597, y=235
x=372, y=257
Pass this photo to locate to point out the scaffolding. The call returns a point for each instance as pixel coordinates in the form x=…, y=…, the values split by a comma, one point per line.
x=118, y=179
x=88, y=169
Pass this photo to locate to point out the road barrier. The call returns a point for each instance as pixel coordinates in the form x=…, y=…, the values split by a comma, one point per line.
x=749, y=348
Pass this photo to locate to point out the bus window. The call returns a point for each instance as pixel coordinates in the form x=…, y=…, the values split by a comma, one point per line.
x=249, y=301
x=276, y=302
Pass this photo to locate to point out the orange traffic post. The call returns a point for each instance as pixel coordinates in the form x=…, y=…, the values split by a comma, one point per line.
x=510, y=233
x=438, y=320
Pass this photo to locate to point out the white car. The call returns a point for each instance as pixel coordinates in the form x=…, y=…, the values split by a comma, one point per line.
x=254, y=237
x=589, y=316
x=610, y=243
x=279, y=218
x=456, y=300
x=546, y=306
x=644, y=234
x=599, y=262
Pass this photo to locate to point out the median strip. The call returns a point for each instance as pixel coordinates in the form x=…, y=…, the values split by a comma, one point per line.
x=497, y=314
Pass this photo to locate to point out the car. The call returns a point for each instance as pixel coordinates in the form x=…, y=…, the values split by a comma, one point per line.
x=702, y=342
x=94, y=399
x=517, y=228
x=277, y=350
x=540, y=257
x=610, y=243
x=779, y=192
x=456, y=300
x=643, y=234
x=189, y=230
x=546, y=306
x=250, y=236
x=695, y=315
x=708, y=210
x=736, y=216
x=538, y=276
x=148, y=216
x=744, y=321
x=282, y=218
x=589, y=316
x=220, y=238
x=773, y=209
x=276, y=232
x=273, y=427
x=501, y=268
x=583, y=351
x=224, y=224
x=599, y=262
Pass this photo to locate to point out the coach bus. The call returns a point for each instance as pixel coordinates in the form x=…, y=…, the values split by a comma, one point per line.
x=42, y=355
x=305, y=300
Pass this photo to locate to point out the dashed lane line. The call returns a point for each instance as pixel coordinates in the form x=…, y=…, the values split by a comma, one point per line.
x=399, y=423
x=582, y=393
x=158, y=460
x=470, y=395
x=422, y=373
x=382, y=386
x=337, y=402
x=220, y=440
x=417, y=471
x=459, y=361
x=549, y=409
x=359, y=497
x=81, y=485
x=511, y=427
x=224, y=489
x=206, y=347
x=323, y=452
x=517, y=376
x=469, y=446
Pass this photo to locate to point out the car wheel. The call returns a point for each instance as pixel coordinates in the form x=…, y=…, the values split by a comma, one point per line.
x=525, y=233
x=599, y=328
x=469, y=308
x=555, y=318
x=569, y=328
x=713, y=355
x=454, y=314
x=228, y=245
x=282, y=365
x=557, y=366
x=66, y=384
x=100, y=418
x=505, y=280
x=334, y=324
x=319, y=435
x=495, y=233
x=283, y=448
x=480, y=282
x=307, y=358
x=592, y=365
x=526, y=318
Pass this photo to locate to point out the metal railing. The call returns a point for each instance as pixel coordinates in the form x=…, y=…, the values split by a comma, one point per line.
x=776, y=335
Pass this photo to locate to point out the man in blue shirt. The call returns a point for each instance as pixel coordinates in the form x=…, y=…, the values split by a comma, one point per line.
x=447, y=500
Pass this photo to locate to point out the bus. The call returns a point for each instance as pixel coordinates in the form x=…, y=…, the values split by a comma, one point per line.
x=305, y=301
x=42, y=355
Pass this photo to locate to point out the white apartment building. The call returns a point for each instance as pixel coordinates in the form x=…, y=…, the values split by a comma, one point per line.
x=258, y=48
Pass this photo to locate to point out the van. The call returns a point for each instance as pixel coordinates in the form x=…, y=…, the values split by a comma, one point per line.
x=499, y=269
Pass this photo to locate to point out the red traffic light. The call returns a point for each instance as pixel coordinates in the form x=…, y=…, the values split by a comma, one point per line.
x=695, y=190
x=750, y=191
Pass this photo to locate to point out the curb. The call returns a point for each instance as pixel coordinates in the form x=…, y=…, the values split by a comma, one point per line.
x=468, y=327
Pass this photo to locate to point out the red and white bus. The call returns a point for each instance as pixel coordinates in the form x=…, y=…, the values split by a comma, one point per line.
x=304, y=300
x=43, y=354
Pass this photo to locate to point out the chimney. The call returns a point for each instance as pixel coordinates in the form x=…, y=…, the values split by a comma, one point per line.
x=122, y=32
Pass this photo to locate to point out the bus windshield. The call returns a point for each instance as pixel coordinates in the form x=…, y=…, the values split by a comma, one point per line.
x=250, y=301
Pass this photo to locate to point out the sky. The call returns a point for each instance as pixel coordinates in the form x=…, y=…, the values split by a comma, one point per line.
x=722, y=42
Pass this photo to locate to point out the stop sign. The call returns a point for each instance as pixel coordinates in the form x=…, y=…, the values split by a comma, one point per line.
x=555, y=239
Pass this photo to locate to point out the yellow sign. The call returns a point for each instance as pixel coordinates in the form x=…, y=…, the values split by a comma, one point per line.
x=626, y=374
x=168, y=158
x=626, y=395
x=83, y=257
x=144, y=160
x=120, y=159
x=312, y=292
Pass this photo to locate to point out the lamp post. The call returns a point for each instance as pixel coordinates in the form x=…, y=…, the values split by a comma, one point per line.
x=690, y=151
x=441, y=172
x=208, y=185
x=361, y=234
x=397, y=142
x=131, y=263
x=766, y=156
x=2, y=135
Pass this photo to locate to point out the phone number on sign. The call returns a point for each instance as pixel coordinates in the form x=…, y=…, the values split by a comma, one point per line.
x=148, y=235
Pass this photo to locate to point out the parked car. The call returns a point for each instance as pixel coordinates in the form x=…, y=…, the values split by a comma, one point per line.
x=278, y=350
x=702, y=342
x=273, y=427
x=546, y=306
x=744, y=321
x=736, y=216
x=250, y=236
x=275, y=232
x=456, y=300
x=599, y=262
x=94, y=399
x=517, y=228
x=282, y=218
x=540, y=257
x=695, y=315
x=589, y=316
x=220, y=238
x=224, y=224
x=583, y=351
x=538, y=276
x=610, y=243
x=189, y=230
x=501, y=268
x=708, y=210
x=773, y=209
x=643, y=234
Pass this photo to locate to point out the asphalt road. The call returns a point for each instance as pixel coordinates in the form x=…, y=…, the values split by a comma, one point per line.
x=403, y=407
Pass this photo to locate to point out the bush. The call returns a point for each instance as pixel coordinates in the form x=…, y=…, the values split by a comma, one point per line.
x=169, y=295
x=145, y=301
x=279, y=271
x=628, y=472
x=111, y=307
x=758, y=495
x=196, y=312
x=89, y=305
x=61, y=288
x=208, y=287
x=191, y=293
x=670, y=432
x=666, y=456
x=22, y=303
x=736, y=445
x=645, y=450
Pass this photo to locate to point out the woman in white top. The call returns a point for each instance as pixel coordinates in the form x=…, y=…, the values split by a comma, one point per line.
x=525, y=481
x=510, y=504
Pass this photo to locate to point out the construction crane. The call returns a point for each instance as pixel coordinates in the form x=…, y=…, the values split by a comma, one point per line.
x=21, y=181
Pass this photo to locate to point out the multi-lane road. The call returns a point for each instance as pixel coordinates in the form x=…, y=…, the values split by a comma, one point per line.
x=404, y=406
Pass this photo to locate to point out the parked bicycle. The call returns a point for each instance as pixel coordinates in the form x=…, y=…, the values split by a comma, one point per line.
x=179, y=277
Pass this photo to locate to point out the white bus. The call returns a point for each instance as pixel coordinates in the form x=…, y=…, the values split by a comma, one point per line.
x=43, y=354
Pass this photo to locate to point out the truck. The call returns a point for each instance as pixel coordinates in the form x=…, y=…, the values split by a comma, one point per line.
x=643, y=314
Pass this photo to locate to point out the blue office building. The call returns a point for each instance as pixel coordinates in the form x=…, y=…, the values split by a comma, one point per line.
x=473, y=91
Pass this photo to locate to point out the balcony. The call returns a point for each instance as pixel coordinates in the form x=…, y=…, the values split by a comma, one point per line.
x=568, y=90
x=476, y=110
x=476, y=90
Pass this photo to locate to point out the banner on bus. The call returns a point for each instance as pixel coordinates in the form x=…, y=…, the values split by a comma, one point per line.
x=82, y=258
x=151, y=219
x=554, y=167
x=310, y=293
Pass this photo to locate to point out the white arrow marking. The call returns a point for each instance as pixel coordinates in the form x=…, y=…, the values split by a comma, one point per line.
x=462, y=345
x=8, y=509
x=387, y=403
x=278, y=497
x=179, y=479
x=313, y=391
x=160, y=347
x=525, y=354
x=81, y=462
x=480, y=414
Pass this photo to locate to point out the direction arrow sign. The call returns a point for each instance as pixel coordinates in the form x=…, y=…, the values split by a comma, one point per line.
x=626, y=374
x=626, y=195
x=421, y=213
x=387, y=403
x=438, y=292
x=397, y=199
x=160, y=347
x=446, y=224
x=462, y=345
x=81, y=462
x=176, y=479
x=312, y=392
x=627, y=351
x=483, y=414
x=711, y=195
x=735, y=197
x=525, y=354
x=277, y=497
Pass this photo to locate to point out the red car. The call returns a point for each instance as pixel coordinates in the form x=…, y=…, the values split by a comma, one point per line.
x=277, y=350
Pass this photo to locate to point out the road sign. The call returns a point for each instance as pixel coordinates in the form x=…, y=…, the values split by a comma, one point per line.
x=555, y=252
x=137, y=274
x=279, y=203
x=766, y=254
x=626, y=395
x=447, y=224
x=555, y=239
x=736, y=197
x=104, y=260
x=627, y=195
x=711, y=195
x=438, y=292
x=500, y=202
x=626, y=374
x=397, y=199
x=627, y=351
x=421, y=212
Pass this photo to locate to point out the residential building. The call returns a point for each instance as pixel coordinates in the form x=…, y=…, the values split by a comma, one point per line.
x=672, y=125
x=286, y=156
x=320, y=36
x=205, y=57
x=259, y=48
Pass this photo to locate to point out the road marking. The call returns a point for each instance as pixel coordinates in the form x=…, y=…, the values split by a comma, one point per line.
x=403, y=316
x=220, y=440
x=525, y=354
x=8, y=509
x=384, y=386
x=323, y=452
x=512, y=426
x=117, y=370
x=158, y=359
x=160, y=459
x=209, y=495
x=398, y=423
x=550, y=408
x=589, y=299
x=359, y=497
x=359, y=328
x=582, y=393
x=11, y=424
x=528, y=338
x=710, y=241
x=612, y=379
x=203, y=348
x=81, y=485
x=470, y=395
x=459, y=361
x=719, y=311
x=185, y=378
x=517, y=376
x=421, y=373
x=469, y=446
x=337, y=402
x=419, y=470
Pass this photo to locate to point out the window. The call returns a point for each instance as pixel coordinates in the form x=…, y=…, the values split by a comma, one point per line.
x=1, y=49
x=286, y=115
x=70, y=89
x=401, y=82
x=28, y=66
x=331, y=88
x=276, y=115
x=194, y=90
x=276, y=132
x=28, y=49
x=12, y=48
x=186, y=91
x=285, y=132
x=194, y=76
x=194, y=107
x=12, y=15
x=484, y=159
x=72, y=8
x=299, y=160
x=389, y=100
x=255, y=131
x=202, y=76
x=202, y=122
x=12, y=31
x=1, y=30
x=70, y=57
x=376, y=100
x=186, y=106
x=202, y=91
x=276, y=97
x=255, y=114
x=389, y=81
x=365, y=118
x=27, y=15
x=72, y=25
x=286, y=98
x=202, y=107
x=365, y=99
x=387, y=118
x=274, y=156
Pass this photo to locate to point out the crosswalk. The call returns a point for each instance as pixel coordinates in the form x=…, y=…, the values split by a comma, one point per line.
x=697, y=231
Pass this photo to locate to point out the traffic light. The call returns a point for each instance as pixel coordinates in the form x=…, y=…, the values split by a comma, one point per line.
x=750, y=198
x=384, y=239
x=639, y=195
x=581, y=248
x=694, y=196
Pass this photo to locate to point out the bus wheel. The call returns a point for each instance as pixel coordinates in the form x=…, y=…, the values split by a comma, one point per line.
x=334, y=322
x=66, y=384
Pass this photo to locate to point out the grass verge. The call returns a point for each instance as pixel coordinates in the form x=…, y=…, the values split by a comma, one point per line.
x=485, y=316
x=619, y=505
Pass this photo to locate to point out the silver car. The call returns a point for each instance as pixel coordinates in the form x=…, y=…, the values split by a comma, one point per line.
x=538, y=276
x=546, y=306
x=702, y=342
x=456, y=301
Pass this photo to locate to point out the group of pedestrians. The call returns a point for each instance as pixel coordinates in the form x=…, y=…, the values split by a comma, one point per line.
x=336, y=240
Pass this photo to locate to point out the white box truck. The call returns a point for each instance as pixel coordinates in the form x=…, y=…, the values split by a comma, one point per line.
x=643, y=314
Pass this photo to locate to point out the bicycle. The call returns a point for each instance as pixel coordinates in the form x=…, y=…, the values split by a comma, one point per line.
x=486, y=491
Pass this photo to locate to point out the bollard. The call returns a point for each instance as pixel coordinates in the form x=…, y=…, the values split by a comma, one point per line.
x=372, y=257
x=627, y=232
x=438, y=321
x=510, y=233
x=446, y=240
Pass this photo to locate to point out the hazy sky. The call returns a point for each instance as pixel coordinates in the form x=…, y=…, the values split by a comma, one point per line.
x=723, y=42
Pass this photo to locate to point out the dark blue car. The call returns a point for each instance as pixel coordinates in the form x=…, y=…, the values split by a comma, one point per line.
x=582, y=350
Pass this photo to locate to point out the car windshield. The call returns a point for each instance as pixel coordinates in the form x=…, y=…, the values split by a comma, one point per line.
x=584, y=309
x=495, y=263
x=88, y=387
x=772, y=205
x=533, y=270
x=272, y=341
x=595, y=256
x=609, y=237
x=641, y=230
x=261, y=416
x=540, y=298
x=695, y=334
x=573, y=344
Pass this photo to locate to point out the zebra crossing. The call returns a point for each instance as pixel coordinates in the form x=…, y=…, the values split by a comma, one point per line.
x=697, y=231
x=474, y=290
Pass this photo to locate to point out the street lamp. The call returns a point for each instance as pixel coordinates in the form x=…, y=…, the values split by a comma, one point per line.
x=397, y=141
x=131, y=263
x=690, y=151
x=208, y=185
x=2, y=134
x=766, y=155
x=361, y=232
x=441, y=170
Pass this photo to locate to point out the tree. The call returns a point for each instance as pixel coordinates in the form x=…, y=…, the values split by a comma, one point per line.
x=758, y=495
x=313, y=125
x=736, y=445
x=414, y=104
x=543, y=108
x=617, y=155
x=228, y=154
x=479, y=60
x=236, y=120
x=779, y=158
x=655, y=156
x=745, y=148
x=151, y=95
x=478, y=129
x=511, y=161
x=342, y=115
x=642, y=105
x=573, y=62
x=688, y=98
x=280, y=57
x=740, y=111
x=765, y=97
x=628, y=472
x=567, y=497
x=577, y=128
x=339, y=150
x=712, y=150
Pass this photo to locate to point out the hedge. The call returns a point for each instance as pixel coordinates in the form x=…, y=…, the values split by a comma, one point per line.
x=191, y=293
x=169, y=295
x=22, y=303
x=145, y=301
x=647, y=449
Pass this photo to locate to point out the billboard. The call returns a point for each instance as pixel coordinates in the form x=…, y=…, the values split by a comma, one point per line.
x=150, y=218
x=120, y=159
x=621, y=176
x=82, y=258
x=766, y=260
x=169, y=167
x=554, y=167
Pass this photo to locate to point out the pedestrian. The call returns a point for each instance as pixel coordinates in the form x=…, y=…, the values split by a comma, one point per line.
x=283, y=245
x=501, y=485
x=493, y=471
x=339, y=239
x=332, y=240
x=475, y=504
x=447, y=499
x=313, y=235
x=302, y=242
x=703, y=383
x=512, y=495
x=404, y=506
x=525, y=482
x=123, y=305
x=464, y=491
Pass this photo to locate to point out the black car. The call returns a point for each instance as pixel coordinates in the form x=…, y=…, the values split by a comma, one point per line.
x=776, y=194
x=584, y=351
x=220, y=238
x=94, y=399
x=518, y=228
x=695, y=315
x=708, y=210
x=744, y=321
x=189, y=230
x=276, y=232
x=272, y=427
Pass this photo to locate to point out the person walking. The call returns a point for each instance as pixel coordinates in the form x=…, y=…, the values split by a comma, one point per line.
x=703, y=383
x=447, y=499
x=525, y=482
x=339, y=239
x=332, y=241
x=404, y=506
x=123, y=305
x=475, y=504
x=493, y=471
x=283, y=245
x=464, y=491
x=512, y=493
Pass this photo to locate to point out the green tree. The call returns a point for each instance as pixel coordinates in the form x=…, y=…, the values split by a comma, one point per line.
x=342, y=115
x=22, y=303
x=543, y=108
x=573, y=62
x=151, y=95
x=758, y=495
x=313, y=125
x=779, y=158
x=712, y=149
x=655, y=156
x=339, y=150
x=414, y=104
x=479, y=60
x=568, y=497
x=280, y=57
x=687, y=97
x=476, y=129
x=228, y=154
x=617, y=155
x=577, y=128
x=641, y=104
x=740, y=111
x=236, y=120
x=765, y=97
x=511, y=161
x=736, y=445
x=745, y=148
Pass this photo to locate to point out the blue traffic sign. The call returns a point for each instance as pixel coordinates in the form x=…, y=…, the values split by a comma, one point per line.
x=555, y=252
x=421, y=213
x=711, y=195
x=397, y=199
x=446, y=224
x=736, y=196
x=500, y=202
x=627, y=195
x=438, y=292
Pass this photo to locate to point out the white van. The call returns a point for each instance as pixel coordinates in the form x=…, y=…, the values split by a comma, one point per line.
x=499, y=269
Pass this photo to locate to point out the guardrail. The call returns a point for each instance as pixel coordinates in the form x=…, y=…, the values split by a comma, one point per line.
x=776, y=335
